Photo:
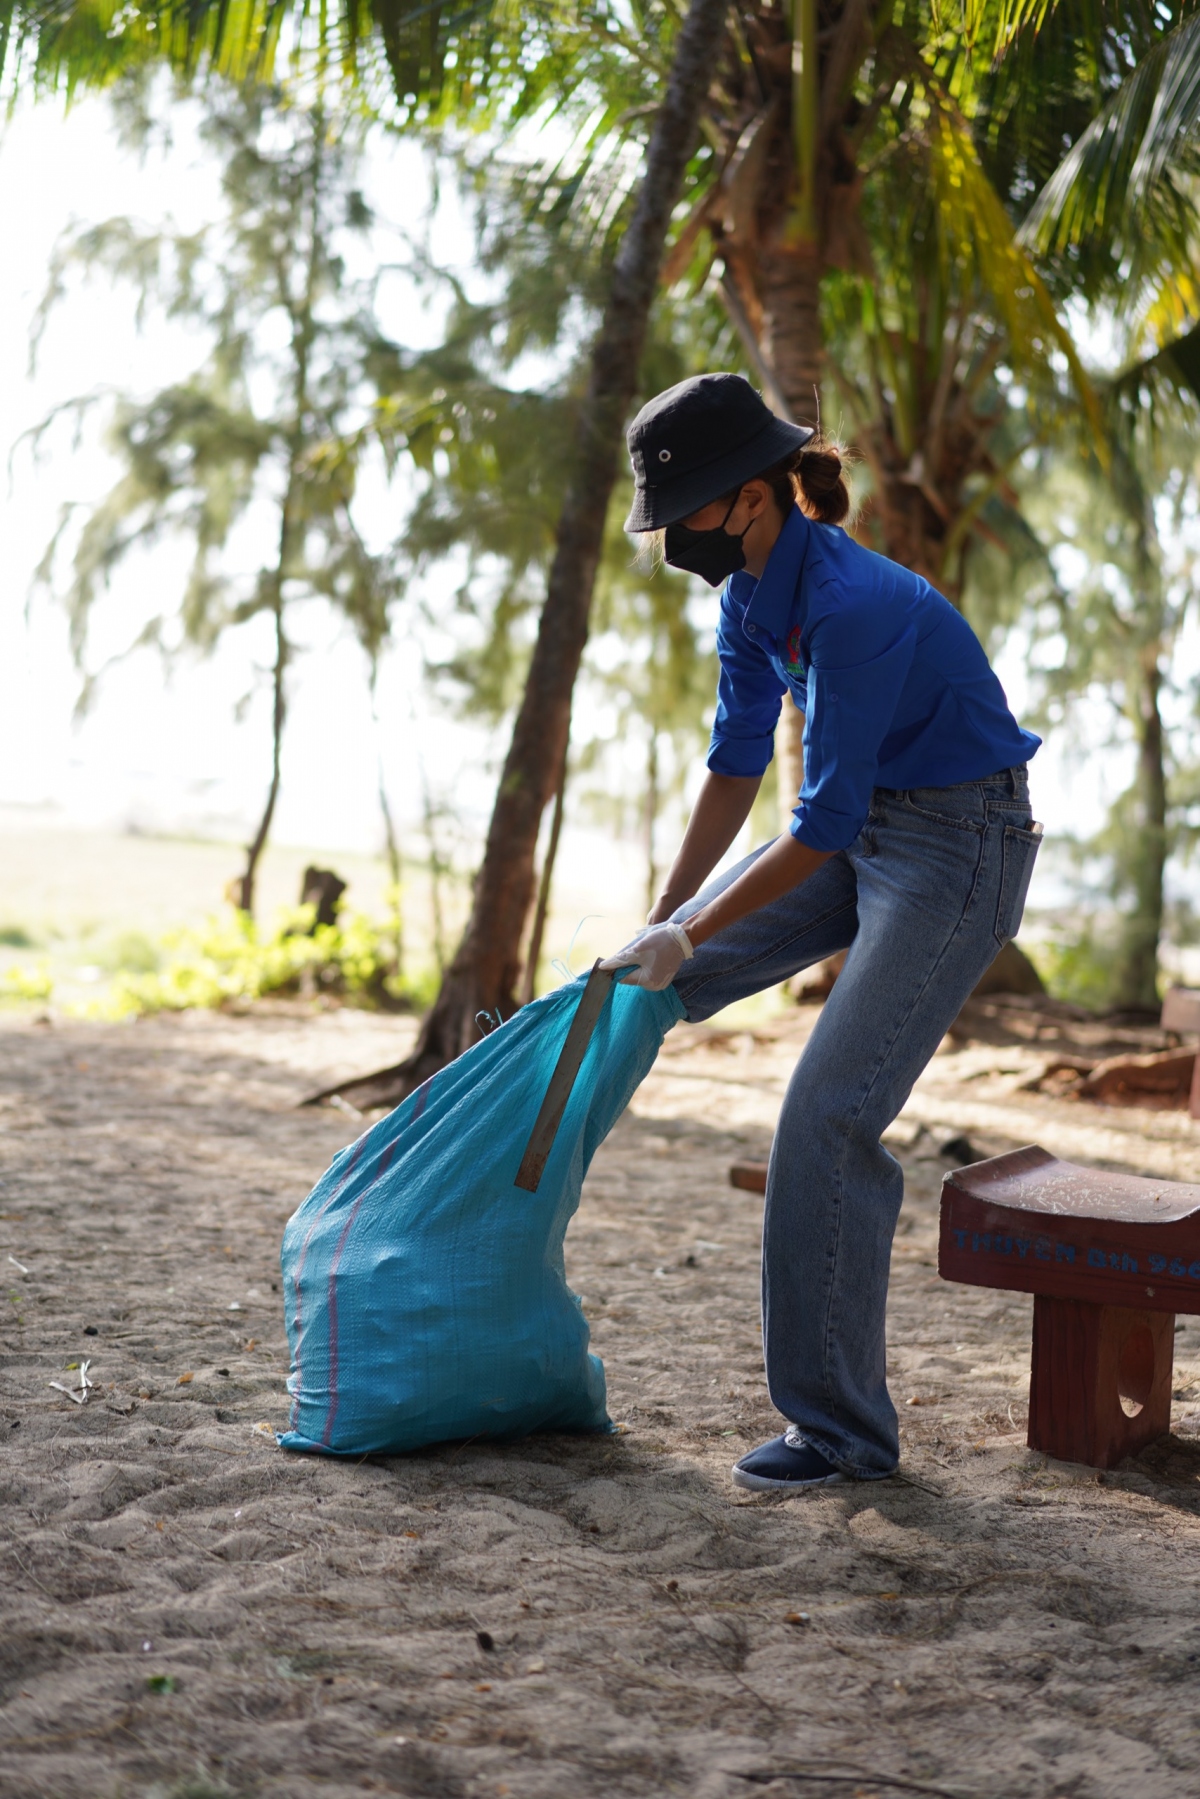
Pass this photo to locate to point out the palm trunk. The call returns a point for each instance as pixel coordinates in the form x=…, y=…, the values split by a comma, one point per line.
x=901, y=513
x=484, y=973
x=790, y=287
x=1135, y=982
x=790, y=284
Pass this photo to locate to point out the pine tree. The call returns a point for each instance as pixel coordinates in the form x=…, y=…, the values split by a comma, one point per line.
x=267, y=419
x=1110, y=627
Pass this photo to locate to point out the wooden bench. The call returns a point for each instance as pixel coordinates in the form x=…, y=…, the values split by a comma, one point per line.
x=1110, y=1260
x=1181, y=1014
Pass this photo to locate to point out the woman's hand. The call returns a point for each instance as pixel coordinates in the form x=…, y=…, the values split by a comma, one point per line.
x=657, y=954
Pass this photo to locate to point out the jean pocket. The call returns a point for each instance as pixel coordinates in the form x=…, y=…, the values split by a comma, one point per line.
x=1019, y=855
x=934, y=805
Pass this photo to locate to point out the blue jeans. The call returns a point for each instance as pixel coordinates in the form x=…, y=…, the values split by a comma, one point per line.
x=923, y=899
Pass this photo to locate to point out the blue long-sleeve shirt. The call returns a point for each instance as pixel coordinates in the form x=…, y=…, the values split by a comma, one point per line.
x=894, y=685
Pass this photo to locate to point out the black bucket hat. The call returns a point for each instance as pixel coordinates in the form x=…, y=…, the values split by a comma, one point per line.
x=697, y=441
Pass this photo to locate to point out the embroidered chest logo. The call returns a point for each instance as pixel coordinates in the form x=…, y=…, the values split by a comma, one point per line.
x=792, y=660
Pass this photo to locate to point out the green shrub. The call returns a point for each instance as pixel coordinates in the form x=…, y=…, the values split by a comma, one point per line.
x=1080, y=968
x=131, y=953
x=229, y=959
x=22, y=985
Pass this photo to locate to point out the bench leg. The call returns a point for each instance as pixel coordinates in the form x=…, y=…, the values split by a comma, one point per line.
x=1100, y=1383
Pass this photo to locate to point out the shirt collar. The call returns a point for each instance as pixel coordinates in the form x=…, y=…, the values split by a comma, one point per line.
x=769, y=600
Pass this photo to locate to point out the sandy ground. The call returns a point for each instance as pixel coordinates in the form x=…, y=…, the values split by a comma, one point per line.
x=189, y=1611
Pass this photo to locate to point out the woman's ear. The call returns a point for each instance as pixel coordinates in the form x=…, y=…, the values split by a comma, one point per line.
x=756, y=495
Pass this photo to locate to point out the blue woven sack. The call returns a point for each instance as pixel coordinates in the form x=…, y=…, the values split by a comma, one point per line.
x=425, y=1293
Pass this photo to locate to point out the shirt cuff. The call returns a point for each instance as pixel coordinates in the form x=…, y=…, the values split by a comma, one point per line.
x=824, y=830
x=740, y=755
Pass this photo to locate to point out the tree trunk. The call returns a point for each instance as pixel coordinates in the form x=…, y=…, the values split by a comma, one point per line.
x=322, y=889
x=902, y=514
x=392, y=852
x=1136, y=980
x=243, y=887
x=534, y=955
x=791, y=290
x=650, y=818
x=391, y=842
x=437, y=868
x=790, y=285
x=789, y=279
x=483, y=975
x=302, y=332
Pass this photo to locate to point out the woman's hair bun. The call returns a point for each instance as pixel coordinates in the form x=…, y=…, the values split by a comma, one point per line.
x=822, y=469
x=824, y=495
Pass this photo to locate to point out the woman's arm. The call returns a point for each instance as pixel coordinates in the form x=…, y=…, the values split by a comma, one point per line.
x=654, y=959
x=781, y=867
x=718, y=815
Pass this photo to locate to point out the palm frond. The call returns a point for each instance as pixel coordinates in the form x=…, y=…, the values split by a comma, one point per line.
x=992, y=28
x=1174, y=306
x=1164, y=380
x=977, y=232
x=1122, y=168
x=441, y=58
x=67, y=47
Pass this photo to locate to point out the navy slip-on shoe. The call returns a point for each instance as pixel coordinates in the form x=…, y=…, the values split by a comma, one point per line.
x=783, y=1466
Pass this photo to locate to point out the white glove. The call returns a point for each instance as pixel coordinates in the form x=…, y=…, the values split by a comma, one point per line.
x=657, y=954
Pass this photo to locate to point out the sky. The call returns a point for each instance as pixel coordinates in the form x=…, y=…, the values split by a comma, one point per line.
x=162, y=754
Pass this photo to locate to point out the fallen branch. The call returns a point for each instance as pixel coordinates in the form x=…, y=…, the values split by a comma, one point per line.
x=717, y=1649
x=70, y=1736
x=764, y=1777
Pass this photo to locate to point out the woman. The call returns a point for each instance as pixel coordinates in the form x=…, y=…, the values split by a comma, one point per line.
x=911, y=846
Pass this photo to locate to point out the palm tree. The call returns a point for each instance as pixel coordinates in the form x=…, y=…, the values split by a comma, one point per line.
x=850, y=192
x=947, y=383
x=847, y=149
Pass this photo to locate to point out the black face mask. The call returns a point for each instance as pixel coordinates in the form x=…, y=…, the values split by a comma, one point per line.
x=713, y=555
